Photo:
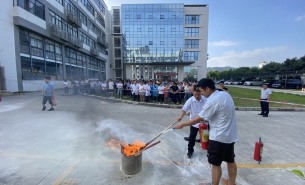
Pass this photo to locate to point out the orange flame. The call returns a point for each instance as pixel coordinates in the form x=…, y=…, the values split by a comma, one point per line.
x=131, y=149
x=114, y=143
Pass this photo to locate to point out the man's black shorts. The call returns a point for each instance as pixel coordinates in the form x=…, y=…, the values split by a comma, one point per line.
x=47, y=98
x=218, y=152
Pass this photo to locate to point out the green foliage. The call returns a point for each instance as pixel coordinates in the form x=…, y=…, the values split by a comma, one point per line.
x=289, y=66
x=237, y=93
x=298, y=173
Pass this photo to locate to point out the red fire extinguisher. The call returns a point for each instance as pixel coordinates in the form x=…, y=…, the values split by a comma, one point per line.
x=204, y=135
x=258, y=150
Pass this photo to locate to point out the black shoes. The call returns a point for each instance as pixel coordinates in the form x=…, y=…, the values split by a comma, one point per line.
x=51, y=109
x=187, y=139
x=44, y=108
x=189, y=154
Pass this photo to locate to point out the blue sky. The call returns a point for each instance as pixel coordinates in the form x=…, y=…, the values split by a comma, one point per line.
x=247, y=32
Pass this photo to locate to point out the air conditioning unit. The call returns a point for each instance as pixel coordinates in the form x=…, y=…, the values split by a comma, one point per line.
x=94, y=51
x=78, y=43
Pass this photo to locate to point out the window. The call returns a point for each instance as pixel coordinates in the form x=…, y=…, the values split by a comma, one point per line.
x=190, y=55
x=100, y=19
x=117, y=53
x=192, y=19
x=127, y=16
x=162, y=29
x=118, y=63
x=173, y=42
x=150, y=29
x=126, y=29
x=191, y=32
x=173, y=16
x=24, y=41
x=150, y=43
x=116, y=17
x=191, y=43
x=117, y=42
x=161, y=42
x=33, y=6
x=173, y=29
x=161, y=16
x=150, y=16
x=116, y=30
x=138, y=16
x=138, y=29
x=88, y=6
x=139, y=42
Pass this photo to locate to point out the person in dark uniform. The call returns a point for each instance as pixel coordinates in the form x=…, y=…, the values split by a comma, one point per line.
x=222, y=86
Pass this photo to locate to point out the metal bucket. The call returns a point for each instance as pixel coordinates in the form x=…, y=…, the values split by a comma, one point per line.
x=131, y=165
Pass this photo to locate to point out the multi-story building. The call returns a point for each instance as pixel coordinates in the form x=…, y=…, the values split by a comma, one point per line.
x=159, y=41
x=64, y=39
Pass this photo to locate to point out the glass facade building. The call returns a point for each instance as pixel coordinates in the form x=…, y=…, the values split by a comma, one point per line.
x=154, y=36
x=161, y=39
x=154, y=32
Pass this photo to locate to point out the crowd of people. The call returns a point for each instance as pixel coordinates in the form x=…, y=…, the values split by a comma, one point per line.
x=138, y=90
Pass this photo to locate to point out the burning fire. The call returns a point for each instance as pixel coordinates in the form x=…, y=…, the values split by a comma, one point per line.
x=114, y=143
x=131, y=149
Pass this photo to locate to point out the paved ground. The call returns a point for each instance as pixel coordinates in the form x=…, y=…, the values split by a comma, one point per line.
x=75, y=144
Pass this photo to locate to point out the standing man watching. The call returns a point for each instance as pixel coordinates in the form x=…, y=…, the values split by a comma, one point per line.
x=219, y=110
x=264, y=100
x=47, y=93
x=194, y=104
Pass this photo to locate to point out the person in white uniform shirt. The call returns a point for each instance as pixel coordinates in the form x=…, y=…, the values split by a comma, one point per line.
x=111, y=88
x=193, y=105
x=264, y=100
x=147, y=91
x=135, y=90
x=161, y=93
x=219, y=111
x=119, y=85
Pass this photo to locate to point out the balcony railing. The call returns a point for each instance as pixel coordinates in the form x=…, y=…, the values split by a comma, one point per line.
x=73, y=19
x=102, y=41
x=55, y=31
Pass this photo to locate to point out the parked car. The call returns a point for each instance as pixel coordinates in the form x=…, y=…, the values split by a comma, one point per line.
x=229, y=82
x=290, y=84
x=238, y=83
x=278, y=84
x=253, y=83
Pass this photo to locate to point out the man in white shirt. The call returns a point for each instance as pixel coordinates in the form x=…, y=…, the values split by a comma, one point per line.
x=219, y=110
x=66, y=87
x=193, y=105
x=111, y=88
x=161, y=93
x=135, y=90
x=147, y=91
x=264, y=100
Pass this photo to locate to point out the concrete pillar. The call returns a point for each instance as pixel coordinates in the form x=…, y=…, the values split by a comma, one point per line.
x=128, y=71
x=180, y=73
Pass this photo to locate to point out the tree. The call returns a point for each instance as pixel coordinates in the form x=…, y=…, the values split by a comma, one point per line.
x=213, y=75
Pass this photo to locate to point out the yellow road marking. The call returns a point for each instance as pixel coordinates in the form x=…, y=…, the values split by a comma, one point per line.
x=65, y=174
x=161, y=162
x=287, y=165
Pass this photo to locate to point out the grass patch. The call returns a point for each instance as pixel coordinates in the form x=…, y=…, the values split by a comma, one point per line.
x=255, y=94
